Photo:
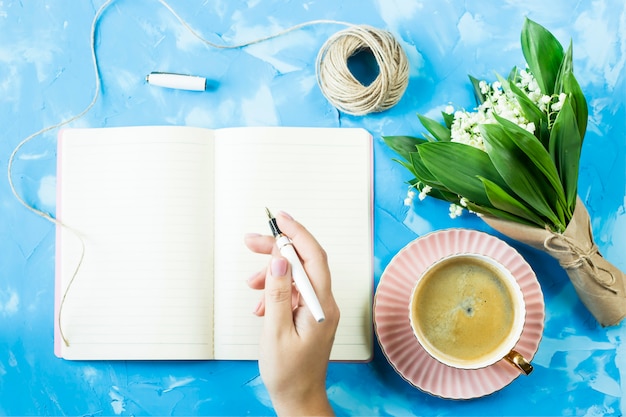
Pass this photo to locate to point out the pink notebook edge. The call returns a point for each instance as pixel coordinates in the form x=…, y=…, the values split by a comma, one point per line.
x=372, y=340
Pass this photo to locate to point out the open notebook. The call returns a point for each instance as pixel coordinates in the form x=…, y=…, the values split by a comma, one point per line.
x=162, y=211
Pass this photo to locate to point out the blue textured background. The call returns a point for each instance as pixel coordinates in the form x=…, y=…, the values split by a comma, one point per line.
x=46, y=76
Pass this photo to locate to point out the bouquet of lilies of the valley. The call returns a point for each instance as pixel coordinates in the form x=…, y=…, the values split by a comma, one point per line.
x=514, y=161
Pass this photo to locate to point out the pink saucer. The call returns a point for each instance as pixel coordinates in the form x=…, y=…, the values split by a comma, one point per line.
x=396, y=338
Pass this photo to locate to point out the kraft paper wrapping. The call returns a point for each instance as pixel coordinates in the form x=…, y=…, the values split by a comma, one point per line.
x=598, y=283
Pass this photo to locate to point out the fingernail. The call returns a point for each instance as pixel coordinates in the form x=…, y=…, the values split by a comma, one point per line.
x=287, y=215
x=279, y=267
x=257, y=307
x=251, y=235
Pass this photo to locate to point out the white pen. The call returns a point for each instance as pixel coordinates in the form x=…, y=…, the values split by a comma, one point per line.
x=177, y=81
x=285, y=245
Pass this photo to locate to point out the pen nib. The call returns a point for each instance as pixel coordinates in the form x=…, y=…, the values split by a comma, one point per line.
x=275, y=230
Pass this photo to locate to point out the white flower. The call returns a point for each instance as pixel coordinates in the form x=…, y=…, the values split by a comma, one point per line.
x=408, y=201
x=425, y=190
x=466, y=125
x=544, y=99
x=465, y=129
x=449, y=109
x=484, y=87
x=535, y=97
x=455, y=211
x=559, y=104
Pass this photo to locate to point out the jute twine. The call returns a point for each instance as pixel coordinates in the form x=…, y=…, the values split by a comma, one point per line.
x=340, y=86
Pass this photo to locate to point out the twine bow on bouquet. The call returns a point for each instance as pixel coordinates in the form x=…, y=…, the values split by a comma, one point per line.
x=514, y=161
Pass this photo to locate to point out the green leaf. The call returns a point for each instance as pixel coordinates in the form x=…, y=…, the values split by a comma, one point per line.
x=543, y=133
x=458, y=167
x=565, y=148
x=560, y=211
x=430, y=138
x=500, y=214
x=444, y=195
x=502, y=200
x=403, y=145
x=504, y=81
x=513, y=75
x=567, y=83
x=567, y=67
x=579, y=103
x=478, y=95
x=529, y=109
x=448, y=119
x=424, y=176
x=536, y=153
x=422, y=173
x=439, y=131
x=406, y=165
x=543, y=54
x=519, y=171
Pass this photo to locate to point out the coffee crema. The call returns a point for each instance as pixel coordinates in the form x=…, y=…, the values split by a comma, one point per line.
x=464, y=308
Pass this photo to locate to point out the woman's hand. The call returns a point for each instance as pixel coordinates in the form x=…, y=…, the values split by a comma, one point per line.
x=294, y=348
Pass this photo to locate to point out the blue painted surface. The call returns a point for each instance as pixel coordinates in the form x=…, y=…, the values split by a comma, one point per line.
x=46, y=76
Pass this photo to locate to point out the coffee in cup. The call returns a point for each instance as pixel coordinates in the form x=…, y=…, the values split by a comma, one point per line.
x=467, y=311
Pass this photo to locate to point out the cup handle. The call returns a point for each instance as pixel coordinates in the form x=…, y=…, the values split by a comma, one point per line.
x=519, y=362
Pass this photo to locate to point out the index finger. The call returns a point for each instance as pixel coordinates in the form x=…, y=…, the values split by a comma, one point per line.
x=313, y=256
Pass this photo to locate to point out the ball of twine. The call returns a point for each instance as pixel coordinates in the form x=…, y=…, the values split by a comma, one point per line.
x=339, y=85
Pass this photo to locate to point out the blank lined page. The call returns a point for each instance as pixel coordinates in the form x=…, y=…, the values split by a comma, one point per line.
x=141, y=199
x=322, y=177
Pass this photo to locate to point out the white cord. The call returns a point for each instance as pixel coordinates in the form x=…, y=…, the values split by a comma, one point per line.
x=334, y=78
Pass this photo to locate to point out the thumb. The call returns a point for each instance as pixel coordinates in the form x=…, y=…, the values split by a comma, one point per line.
x=278, y=289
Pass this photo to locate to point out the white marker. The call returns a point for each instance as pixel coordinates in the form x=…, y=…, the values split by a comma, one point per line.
x=285, y=245
x=177, y=81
